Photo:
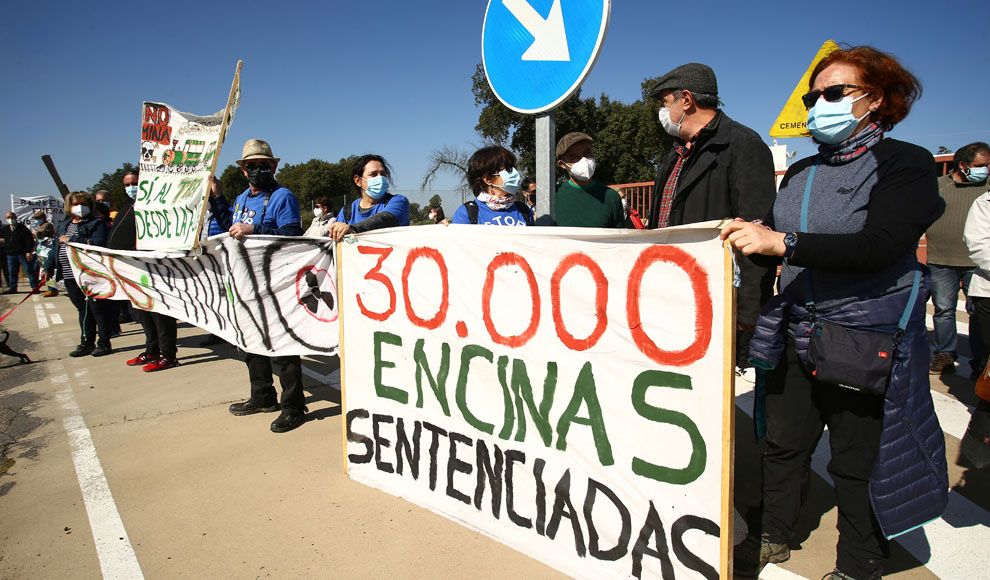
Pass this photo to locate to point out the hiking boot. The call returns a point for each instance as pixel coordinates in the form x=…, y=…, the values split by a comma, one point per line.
x=82, y=350
x=288, y=420
x=942, y=362
x=50, y=294
x=753, y=554
x=250, y=407
x=161, y=364
x=141, y=360
x=102, y=350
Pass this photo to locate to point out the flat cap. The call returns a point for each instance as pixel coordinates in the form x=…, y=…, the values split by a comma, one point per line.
x=695, y=77
x=569, y=140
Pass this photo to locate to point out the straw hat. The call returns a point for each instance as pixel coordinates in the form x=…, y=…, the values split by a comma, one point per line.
x=256, y=149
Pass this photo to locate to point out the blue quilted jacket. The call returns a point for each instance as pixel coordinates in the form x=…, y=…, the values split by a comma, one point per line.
x=909, y=484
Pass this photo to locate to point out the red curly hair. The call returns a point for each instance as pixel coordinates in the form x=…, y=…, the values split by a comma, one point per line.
x=880, y=72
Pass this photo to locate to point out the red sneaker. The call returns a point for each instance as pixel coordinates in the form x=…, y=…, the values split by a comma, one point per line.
x=161, y=364
x=141, y=359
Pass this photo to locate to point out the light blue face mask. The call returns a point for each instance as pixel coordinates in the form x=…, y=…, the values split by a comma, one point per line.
x=377, y=187
x=977, y=174
x=131, y=191
x=511, y=181
x=833, y=122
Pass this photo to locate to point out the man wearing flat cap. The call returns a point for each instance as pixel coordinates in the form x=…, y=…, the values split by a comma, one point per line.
x=716, y=169
x=266, y=208
x=582, y=201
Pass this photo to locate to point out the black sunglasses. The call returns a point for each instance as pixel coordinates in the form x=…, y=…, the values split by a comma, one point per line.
x=832, y=94
x=262, y=165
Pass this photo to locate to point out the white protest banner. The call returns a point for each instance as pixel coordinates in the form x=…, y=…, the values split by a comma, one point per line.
x=24, y=207
x=269, y=295
x=565, y=391
x=178, y=155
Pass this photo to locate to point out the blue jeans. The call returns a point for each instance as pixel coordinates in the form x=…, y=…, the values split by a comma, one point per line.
x=946, y=281
x=14, y=263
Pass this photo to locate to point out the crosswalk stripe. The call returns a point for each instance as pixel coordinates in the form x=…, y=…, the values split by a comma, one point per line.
x=950, y=547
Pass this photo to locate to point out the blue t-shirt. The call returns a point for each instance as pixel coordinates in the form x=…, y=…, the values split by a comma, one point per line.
x=513, y=216
x=279, y=218
x=397, y=205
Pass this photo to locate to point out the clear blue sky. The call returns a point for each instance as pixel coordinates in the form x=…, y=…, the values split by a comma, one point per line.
x=330, y=79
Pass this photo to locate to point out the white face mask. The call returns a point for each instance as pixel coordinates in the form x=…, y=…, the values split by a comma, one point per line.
x=625, y=204
x=672, y=128
x=317, y=211
x=80, y=211
x=583, y=170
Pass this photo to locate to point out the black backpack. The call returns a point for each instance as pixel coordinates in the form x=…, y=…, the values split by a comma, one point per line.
x=472, y=211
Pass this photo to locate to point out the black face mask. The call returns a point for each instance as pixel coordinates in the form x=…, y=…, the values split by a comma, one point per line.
x=261, y=177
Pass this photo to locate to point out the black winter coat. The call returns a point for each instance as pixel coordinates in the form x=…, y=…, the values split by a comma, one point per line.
x=17, y=239
x=123, y=233
x=91, y=231
x=729, y=174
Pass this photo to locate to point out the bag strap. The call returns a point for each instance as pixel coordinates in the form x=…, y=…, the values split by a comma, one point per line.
x=472, y=211
x=912, y=299
x=809, y=293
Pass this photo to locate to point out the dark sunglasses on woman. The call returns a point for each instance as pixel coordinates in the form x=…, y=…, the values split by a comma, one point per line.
x=832, y=94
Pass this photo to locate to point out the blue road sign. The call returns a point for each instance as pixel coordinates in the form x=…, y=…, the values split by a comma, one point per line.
x=536, y=53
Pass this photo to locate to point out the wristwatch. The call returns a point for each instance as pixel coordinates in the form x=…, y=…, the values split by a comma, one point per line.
x=790, y=244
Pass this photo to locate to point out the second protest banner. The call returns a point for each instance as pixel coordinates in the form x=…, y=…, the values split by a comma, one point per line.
x=565, y=391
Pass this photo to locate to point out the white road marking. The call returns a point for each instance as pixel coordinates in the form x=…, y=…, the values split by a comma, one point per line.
x=323, y=379
x=40, y=315
x=113, y=547
x=951, y=546
x=35, y=298
x=56, y=318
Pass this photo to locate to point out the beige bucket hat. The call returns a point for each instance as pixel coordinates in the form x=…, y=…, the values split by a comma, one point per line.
x=256, y=149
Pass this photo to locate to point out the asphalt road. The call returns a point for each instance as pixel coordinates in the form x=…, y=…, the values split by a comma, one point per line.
x=105, y=470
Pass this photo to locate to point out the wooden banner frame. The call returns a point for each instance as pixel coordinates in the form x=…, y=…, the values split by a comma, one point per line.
x=232, y=99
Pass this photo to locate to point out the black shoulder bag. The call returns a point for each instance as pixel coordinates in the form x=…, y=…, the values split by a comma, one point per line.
x=859, y=360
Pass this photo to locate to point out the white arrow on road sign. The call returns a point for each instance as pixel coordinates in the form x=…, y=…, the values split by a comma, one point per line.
x=550, y=39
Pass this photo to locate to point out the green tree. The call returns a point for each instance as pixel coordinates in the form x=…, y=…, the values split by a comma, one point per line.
x=943, y=150
x=435, y=201
x=232, y=182
x=628, y=137
x=318, y=178
x=113, y=183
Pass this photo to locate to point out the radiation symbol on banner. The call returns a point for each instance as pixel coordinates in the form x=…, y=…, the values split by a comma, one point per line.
x=316, y=291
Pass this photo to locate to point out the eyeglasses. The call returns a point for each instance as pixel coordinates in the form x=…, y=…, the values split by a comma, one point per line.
x=262, y=165
x=832, y=94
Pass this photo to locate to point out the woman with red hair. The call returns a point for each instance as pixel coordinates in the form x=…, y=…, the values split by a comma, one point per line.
x=845, y=226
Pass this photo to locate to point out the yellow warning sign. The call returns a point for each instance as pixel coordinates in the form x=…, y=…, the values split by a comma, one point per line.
x=793, y=119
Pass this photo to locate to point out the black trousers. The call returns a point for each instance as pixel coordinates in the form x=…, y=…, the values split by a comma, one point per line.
x=981, y=306
x=289, y=371
x=160, y=333
x=93, y=315
x=798, y=408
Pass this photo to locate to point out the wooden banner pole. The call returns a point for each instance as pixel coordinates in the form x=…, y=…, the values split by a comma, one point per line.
x=62, y=188
x=234, y=95
x=728, y=417
x=340, y=353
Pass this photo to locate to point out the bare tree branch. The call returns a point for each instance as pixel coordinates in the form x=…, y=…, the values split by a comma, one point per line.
x=450, y=160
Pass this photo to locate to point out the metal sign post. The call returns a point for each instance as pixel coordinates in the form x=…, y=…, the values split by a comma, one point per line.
x=536, y=54
x=546, y=138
